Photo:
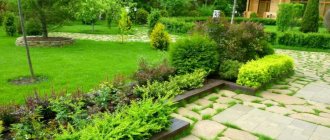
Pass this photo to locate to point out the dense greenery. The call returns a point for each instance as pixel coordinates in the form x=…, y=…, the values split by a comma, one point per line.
x=153, y=19
x=256, y=73
x=140, y=120
x=142, y=16
x=159, y=38
x=10, y=24
x=193, y=53
x=311, y=17
x=176, y=25
x=288, y=15
x=229, y=69
x=310, y=40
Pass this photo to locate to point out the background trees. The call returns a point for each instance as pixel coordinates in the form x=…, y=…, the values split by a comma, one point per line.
x=50, y=13
x=90, y=10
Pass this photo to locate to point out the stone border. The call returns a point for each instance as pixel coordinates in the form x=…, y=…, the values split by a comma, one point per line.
x=47, y=43
x=234, y=86
x=177, y=127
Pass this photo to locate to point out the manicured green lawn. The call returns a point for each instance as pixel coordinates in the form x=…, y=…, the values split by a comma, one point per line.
x=100, y=28
x=82, y=65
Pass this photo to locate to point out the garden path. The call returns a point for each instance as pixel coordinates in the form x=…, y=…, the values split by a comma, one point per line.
x=295, y=108
x=138, y=37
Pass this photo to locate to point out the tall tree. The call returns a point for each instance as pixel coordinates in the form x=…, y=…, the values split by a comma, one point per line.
x=48, y=12
x=310, y=21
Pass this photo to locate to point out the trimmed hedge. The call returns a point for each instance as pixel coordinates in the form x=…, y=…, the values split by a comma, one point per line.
x=256, y=73
x=177, y=26
x=310, y=40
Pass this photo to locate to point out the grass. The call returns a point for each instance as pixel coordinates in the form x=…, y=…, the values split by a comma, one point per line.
x=230, y=125
x=100, y=28
x=263, y=137
x=82, y=65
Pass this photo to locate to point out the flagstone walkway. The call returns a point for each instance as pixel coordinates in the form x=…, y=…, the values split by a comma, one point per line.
x=296, y=108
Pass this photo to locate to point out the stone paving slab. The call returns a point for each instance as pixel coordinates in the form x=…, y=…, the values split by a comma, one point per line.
x=271, y=124
x=318, y=92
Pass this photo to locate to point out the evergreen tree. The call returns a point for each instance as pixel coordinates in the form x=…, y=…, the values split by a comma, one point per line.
x=310, y=21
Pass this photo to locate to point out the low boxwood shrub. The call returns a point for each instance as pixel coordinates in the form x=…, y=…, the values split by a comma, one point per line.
x=140, y=120
x=271, y=37
x=194, y=53
x=309, y=40
x=229, y=69
x=259, y=72
x=159, y=38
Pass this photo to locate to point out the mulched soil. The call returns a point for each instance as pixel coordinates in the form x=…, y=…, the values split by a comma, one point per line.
x=27, y=80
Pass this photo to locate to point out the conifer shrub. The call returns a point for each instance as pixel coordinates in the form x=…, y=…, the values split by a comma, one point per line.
x=159, y=38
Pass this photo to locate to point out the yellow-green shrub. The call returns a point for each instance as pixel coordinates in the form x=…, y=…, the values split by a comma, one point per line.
x=159, y=38
x=259, y=72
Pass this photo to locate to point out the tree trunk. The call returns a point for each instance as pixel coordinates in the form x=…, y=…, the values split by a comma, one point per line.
x=25, y=41
x=44, y=25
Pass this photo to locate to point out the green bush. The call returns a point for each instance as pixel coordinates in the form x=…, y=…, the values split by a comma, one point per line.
x=142, y=16
x=229, y=69
x=327, y=20
x=140, y=120
x=33, y=27
x=153, y=19
x=288, y=15
x=310, y=40
x=256, y=73
x=242, y=42
x=10, y=24
x=310, y=21
x=271, y=37
x=177, y=26
x=175, y=86
x=193, y=53
x=147, y=72
x=264, y=21
x=190, y=81
x=159, y=38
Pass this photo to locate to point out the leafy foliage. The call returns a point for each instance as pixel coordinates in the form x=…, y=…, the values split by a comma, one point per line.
x=190, y=81
x=159, y=38
x=259, y=72
x=113, y=11
x=33, y=27
x=310, y=21
x=138, y=121
x=153, y=19
x=9, y=24
x=288, y=15
x=142, y=16
x=229, y=69
x=175, y=86
x=1, y=128
x=147, y=72
x=243, y=42
x=124, y=24
x=194, y=53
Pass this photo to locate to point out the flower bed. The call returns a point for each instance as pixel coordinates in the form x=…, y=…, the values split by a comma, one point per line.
x=256, y=73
